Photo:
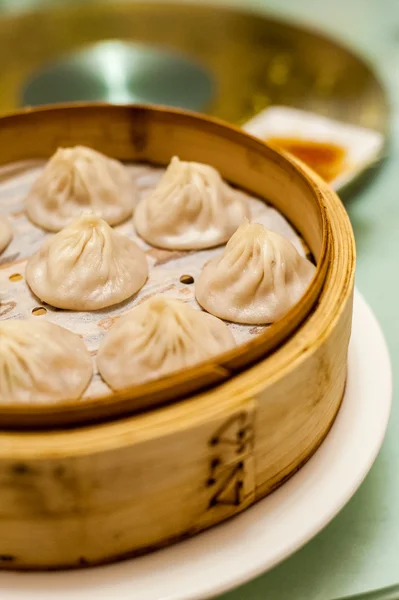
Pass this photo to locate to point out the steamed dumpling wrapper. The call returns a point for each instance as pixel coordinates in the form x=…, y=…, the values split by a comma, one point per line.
x=87, y=266
x=157, y=338
x=41, y=363
x=191, y=208
x=5, y=233
x=256, y=280
x=79, y=179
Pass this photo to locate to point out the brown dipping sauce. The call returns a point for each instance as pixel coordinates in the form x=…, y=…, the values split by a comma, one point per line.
x=324, y=158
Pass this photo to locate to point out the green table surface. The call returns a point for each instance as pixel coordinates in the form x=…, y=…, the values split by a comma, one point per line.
x=359, y=550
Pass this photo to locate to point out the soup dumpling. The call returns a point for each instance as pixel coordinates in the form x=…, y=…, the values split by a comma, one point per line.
x=76, y=180
x=159, y=337
x=41, y=363
x=87, y=266
x=191, y=208
x=256, y=280
x=5, y=233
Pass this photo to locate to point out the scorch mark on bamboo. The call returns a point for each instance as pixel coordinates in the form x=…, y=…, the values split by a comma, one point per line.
x=234, y=442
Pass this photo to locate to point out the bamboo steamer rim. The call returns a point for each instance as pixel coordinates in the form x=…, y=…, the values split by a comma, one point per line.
x=213, y=371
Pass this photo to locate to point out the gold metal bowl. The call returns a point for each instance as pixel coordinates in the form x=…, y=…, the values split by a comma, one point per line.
x=255, y=61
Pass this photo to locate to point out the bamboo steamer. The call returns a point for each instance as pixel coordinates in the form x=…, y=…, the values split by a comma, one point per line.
x=119, y=483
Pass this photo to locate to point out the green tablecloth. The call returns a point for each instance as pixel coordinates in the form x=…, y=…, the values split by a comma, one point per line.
x=359, y=550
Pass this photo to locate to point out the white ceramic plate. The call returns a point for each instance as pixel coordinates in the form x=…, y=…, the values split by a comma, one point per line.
x=255, y=541
x=363, y=147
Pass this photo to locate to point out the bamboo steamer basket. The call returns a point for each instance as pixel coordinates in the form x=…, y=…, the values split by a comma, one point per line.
x=87, y=485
